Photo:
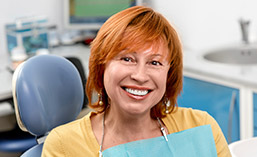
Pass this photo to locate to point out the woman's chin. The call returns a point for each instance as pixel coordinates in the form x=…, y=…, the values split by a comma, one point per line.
x=137, y=111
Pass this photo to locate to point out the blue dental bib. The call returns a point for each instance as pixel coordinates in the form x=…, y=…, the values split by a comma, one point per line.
x=194, y=142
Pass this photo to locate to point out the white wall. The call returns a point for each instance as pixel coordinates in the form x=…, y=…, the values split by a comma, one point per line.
x=201, y=23
x=204, y=24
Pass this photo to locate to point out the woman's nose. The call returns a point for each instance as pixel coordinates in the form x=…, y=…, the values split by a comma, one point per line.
x=139, y=74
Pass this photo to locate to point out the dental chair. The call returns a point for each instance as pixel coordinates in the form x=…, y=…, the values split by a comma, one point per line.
x=78, y=64
x=47, y=92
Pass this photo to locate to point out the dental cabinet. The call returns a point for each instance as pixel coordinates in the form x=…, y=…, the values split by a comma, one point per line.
x=221, y=102
x=255, y=112
x=226, y=90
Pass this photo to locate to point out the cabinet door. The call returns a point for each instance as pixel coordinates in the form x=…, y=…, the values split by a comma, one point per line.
x=255, y=113
x=219, y=101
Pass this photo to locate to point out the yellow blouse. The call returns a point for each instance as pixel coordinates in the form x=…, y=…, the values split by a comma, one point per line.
x=76, y=139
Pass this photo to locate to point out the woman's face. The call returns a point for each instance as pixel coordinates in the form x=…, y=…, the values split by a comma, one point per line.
x=136, y=81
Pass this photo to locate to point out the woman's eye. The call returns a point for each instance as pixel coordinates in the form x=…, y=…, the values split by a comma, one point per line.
x=127, y=59
x=156, y=63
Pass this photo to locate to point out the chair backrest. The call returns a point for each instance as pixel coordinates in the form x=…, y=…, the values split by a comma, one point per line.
x=244, y=148
x=78, y=64
x=47, y=92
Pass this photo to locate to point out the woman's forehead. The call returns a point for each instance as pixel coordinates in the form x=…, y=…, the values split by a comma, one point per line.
x=153, y=48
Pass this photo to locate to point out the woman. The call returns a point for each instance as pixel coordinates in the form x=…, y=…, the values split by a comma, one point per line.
x=136, y=68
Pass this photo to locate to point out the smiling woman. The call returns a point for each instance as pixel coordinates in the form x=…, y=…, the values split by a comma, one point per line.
x=135, y=82
x=136, y=68
x=137, y=29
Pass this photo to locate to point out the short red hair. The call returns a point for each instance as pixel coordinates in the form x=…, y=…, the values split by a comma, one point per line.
x=143, y=27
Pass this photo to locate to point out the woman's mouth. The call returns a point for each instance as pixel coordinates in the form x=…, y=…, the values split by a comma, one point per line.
x=136, y=91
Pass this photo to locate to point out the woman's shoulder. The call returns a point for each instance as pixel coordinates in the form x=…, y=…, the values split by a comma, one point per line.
x=186, y=118
x=74, y=138
x=82, y=125
x=189, y=113
x=73, y=126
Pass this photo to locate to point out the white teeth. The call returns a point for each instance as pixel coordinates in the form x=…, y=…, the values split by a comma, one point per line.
x=136, y=92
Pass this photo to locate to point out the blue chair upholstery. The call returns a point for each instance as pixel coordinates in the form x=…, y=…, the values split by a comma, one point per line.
x=47, y=92
x=16, y=141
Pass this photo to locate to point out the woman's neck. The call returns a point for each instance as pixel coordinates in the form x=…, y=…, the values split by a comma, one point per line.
x=124, y=122
x=122, y=128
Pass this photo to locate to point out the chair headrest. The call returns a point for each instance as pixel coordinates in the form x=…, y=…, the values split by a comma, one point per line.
x=47, y=92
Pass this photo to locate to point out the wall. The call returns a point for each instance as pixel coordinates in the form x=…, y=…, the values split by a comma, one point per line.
x=202, y=24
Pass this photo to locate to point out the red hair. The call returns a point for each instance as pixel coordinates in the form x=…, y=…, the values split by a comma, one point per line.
x=143, y=28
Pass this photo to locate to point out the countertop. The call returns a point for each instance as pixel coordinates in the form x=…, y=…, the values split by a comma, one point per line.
x=243, y=75
x=5, y=77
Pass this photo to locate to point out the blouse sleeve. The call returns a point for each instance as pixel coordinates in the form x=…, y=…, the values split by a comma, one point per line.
x=220, y=141
x=53, y=146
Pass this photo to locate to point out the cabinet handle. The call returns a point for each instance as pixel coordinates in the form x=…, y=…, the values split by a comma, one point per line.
x=230, y=120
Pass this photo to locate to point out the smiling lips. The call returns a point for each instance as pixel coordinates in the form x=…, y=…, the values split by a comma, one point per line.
x=136, y=93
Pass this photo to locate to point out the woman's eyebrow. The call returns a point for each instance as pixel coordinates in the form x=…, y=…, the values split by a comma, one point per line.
x=156, y=55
